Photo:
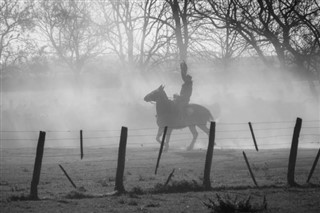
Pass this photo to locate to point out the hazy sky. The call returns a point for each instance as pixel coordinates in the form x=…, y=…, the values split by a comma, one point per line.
x=248, y=94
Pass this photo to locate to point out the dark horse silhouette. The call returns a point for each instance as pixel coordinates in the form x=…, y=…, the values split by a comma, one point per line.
x=168, y=115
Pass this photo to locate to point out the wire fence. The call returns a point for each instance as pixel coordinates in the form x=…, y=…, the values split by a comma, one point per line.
x=96, y=171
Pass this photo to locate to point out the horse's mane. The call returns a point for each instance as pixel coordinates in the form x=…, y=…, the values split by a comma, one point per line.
x=165, y=95
x=166, y=105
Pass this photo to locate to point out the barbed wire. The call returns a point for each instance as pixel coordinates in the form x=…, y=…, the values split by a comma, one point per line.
x=142, y=129
x=117, y=137
x=143, y=154
x=153, y=128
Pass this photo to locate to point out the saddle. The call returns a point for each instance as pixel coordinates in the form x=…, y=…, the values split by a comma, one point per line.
x=182, y=112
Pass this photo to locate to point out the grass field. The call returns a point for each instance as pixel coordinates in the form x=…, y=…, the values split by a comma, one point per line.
x=96, y=175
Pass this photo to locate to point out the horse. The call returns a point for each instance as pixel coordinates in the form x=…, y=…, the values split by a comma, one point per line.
x=168, y=114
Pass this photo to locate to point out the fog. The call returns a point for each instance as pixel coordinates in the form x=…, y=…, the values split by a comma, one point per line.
x=99, y=103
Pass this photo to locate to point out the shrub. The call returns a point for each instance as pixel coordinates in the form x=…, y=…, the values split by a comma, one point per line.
x=229, y=205
x=178, y=186
x=77, y=194
x=136, y=190
x=103, y=182
x=21, y=197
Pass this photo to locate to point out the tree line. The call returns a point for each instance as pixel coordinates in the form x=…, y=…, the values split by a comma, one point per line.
x=146, y=33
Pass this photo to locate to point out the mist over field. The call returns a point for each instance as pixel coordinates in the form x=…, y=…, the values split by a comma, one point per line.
x=74, y=73
x=78, y=65
x=99, y=103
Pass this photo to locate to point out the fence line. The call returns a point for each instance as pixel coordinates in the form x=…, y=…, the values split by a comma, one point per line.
x=148, y=166
x=151, y=128
x=226, y=132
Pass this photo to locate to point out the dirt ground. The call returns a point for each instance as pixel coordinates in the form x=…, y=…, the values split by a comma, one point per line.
x=96, y=174
x=278, y=200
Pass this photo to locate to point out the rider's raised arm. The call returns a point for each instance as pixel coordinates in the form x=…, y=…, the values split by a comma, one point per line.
x=184, y=70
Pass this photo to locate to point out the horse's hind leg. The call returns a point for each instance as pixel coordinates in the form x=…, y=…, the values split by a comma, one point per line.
x=195, y=135
x=160, y=131
x=205, y=129
x=168, y=135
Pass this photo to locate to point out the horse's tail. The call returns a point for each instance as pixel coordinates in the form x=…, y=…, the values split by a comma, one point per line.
x=216, y=119
x=217, y=111
x=211, y=117
x=202, y=114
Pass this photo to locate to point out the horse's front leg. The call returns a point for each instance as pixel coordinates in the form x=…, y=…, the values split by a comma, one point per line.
x=160, y=131
x=194, y=138
x=168, y=135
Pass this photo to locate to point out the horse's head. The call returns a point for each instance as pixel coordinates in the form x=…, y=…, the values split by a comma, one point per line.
x=155, y=95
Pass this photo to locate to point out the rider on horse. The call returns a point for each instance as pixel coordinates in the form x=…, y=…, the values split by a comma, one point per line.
x=183, y=99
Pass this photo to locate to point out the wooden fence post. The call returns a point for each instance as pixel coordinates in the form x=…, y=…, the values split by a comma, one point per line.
x=253, y=137
x=66, y=174
x=81, y=145
x=169, y=177
x=121, y=160
x=161, y=148
x=249, y=168
x=313, y=166
x=207, y=168
x=293, y=153
x=37, y=167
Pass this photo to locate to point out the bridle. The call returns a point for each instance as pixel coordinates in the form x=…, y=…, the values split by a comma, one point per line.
x=152, y=102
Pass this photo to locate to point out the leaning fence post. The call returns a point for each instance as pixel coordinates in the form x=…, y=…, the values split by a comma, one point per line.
x=249, y=168
x=169, y=177
x=121, y=160
x=207, y=168
x=161, y=148
x=313, y=166
x=253, y=137
x=293, y=153
x=37, y=167
x=66, y=174
x=81, y=145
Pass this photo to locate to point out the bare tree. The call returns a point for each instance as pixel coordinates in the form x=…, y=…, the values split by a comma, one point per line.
x=130, y=33
x=304, y=44
x=220, y=37
x=180, y=17
x=15, y=21
x=227, y=15
x=143, y=33
x=68, y=28
x=154, y=37
x=119, y=22
x=290, y=29
x=181, y=25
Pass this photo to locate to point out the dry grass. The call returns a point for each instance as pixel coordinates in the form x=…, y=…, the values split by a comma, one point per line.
x=183, y=193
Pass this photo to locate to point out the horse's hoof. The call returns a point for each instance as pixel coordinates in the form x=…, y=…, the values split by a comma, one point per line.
x=189, y=148
x=166, y=148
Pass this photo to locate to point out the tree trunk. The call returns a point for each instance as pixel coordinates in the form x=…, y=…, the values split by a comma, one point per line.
x=130, y=47
x=313, y=89
x=176, y=16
